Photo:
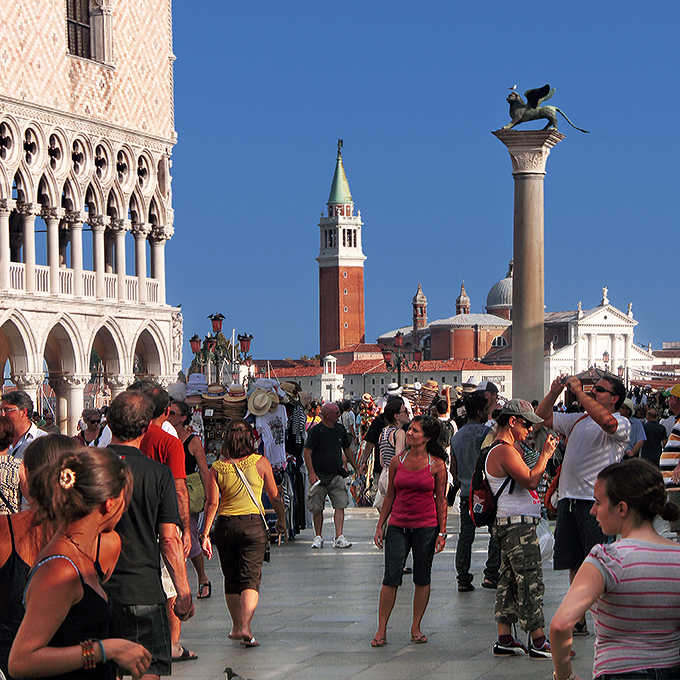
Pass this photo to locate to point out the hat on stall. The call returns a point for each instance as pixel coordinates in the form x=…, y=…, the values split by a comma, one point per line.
x=469, y=386
x=519, y=407
x=291, y=390
x=196, y=384
x=366, y=398
x=215, y=391
x=305, y=399
x=274, y=401
x=259, y=402
x=672, y=391
x=393, y=390
x=487, y=386
x=235, y=393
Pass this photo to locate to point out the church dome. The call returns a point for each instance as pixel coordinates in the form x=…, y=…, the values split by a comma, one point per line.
x=419, y=297
x=500, y=296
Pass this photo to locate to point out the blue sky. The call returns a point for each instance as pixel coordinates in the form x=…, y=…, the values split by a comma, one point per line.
x=264, y=90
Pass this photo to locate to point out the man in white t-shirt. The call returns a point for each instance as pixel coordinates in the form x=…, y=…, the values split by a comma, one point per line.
x=595, y=439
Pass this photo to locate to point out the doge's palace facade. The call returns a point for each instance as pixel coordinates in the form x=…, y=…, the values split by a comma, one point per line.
x=86, y=135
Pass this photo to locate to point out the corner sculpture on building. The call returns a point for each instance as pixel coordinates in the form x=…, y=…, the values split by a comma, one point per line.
x=86, y=135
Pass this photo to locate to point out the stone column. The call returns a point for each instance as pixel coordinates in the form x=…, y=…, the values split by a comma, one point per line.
x=29, y=383
x=101, y=14
x=6, y=207
x=53, y=217
x=109, y=252
x=591, y=349
x=120, y=228
x=61, y=405
x=159, y=235
x=76, y=219
x=141, y=231
x=529, y=152
x=98, y=225
x=74, y=395
x=28, y=212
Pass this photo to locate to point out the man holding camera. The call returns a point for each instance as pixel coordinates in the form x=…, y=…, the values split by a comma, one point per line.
x=596, y=438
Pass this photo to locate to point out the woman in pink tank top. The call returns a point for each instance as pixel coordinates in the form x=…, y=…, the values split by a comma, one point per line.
x=416, y=499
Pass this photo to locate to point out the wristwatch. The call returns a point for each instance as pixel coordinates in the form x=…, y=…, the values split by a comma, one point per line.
x=444, y=535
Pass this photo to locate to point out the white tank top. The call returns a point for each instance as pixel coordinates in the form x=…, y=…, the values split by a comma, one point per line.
x=520, y=502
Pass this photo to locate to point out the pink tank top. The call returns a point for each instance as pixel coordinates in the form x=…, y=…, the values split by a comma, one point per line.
x=414, y=505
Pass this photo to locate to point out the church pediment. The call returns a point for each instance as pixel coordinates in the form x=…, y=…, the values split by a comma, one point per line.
x=606, y=316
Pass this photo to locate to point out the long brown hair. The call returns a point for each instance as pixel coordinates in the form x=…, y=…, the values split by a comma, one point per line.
x=238, y=440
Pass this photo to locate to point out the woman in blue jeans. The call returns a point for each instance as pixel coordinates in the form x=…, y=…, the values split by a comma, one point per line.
x=416, y=505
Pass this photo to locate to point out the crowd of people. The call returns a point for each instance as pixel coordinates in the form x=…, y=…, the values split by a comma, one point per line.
x=74, y=604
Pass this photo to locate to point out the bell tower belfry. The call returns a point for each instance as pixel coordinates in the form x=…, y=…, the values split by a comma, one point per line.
x=341, y=268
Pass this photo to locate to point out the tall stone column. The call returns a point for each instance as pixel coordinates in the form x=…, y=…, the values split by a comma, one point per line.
x=28, y=212
x=6, y=207
x=159, y=235
x=529, y=151
x=141, y=231
x=53, y=217
x=98, y=225
x=120, y=228
x=61, y=404
x=75, y=391
x=101, y=16
x=76, y=219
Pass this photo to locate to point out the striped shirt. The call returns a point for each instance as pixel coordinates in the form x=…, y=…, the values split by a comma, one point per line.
x=670, y=456
x=637, y=617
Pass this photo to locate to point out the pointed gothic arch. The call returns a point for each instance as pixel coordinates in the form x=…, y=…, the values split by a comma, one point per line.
x=150, y=355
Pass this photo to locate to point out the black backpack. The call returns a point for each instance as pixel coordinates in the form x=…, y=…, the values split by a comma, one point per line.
x=446, y=431
x=483, y=502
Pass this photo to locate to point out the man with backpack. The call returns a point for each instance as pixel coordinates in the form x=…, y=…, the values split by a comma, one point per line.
x=465, y=450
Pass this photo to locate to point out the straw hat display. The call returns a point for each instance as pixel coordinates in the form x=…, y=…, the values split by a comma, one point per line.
x=259, y=402
x=235, y=402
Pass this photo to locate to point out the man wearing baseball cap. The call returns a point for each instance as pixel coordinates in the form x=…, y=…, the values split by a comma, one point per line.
x=669, y=463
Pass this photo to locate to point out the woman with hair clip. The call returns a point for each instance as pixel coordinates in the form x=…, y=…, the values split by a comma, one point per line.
x=234, y=494
x=416, y=499
x=64, y=632
x=632, y=586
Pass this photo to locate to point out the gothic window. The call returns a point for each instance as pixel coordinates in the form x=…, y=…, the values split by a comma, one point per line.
x=344, y=238
x=78, y=26
x=354, y=232
x=500, y=341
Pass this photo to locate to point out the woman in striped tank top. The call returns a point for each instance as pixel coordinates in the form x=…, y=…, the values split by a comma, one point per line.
x=632, y=586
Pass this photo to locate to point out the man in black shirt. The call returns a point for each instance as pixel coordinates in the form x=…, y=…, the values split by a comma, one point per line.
x=323, y=450
x=656, y=438
x=149, y=528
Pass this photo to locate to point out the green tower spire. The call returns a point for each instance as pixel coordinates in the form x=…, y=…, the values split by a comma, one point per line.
x=340, y=188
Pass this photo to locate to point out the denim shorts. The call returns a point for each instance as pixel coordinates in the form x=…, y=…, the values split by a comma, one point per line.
x=398, y=542
x=576, y=533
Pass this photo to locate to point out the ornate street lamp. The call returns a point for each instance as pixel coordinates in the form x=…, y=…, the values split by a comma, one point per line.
x=605, y=359
x=396, y=361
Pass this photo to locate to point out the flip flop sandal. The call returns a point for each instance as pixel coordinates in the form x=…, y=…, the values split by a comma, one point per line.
x=202, y=587
x=186, y=655
x=249, y=642
x=378, y=642
x=419, y=639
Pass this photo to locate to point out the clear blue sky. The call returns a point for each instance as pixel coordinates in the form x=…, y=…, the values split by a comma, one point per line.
x=264, y=90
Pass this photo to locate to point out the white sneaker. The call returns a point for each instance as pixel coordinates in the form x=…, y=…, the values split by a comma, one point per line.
x=341, y=542
x=317, y=543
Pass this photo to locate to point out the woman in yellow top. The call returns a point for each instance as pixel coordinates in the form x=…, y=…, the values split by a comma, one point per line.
x=240, y=535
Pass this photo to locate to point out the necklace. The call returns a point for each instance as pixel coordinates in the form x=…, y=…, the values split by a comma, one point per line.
x=69, y=538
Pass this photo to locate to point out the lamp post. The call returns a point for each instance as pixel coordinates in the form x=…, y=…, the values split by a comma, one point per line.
x=216, y=349
x=605, y=360
x=396, y=361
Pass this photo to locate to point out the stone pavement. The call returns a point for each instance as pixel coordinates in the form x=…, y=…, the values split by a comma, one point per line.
x=318, y=613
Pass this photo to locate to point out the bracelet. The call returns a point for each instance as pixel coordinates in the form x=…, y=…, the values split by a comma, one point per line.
x=88, y=654
x=101, y=647
x=202, y=537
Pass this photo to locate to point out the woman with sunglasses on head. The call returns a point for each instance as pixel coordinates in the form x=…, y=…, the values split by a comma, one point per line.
x=416, y=506
x=391, y=442
x=65, y=630
x=519, y=596
x=632, y=586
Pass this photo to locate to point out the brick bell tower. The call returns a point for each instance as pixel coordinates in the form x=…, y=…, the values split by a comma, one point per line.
x=341, y=269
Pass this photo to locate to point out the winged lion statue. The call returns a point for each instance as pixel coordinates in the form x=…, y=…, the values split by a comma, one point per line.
x=521, y=112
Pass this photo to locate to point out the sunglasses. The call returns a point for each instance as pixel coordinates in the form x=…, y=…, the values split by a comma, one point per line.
x=525, y=423
x=600, y=389
x=7, y=410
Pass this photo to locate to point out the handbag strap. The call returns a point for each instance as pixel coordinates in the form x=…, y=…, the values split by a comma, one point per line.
x=249, y=489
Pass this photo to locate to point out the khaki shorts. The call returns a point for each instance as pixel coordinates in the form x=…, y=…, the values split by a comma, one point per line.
x=336, y=491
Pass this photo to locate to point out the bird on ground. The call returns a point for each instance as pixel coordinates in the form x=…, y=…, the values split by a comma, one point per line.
x=232, y=675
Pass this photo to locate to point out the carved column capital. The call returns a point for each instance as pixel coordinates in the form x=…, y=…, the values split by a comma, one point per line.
x=53, y=213
x=161, y=234
x=99, y=223
x=119, y=225
x=7, y=204
x=140, y=230
x=77, y=380
x=75, y=216
x=120, y=381
x=27, y=381
x=29, y=209
x=529, y=149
